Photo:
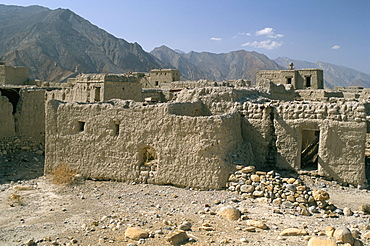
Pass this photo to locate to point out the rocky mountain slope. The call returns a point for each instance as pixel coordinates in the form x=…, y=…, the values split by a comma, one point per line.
x=55, y=44
x=239, y=64
x=334, y=75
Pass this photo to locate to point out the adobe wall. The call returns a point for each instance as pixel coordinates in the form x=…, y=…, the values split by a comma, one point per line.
x=97, y=92
x=342, y=129
x=13, y=75
x=126, y=91
x=297, y=78
x=23, y=130
x=205, y=83
x=258, y=134
x=7, y=128
x=191, y=151
x=30, y=114
x=160, y=76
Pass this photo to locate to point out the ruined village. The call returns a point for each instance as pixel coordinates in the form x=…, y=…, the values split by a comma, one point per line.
x=160, y=161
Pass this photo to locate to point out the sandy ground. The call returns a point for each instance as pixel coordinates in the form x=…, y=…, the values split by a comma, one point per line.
x=99, y=212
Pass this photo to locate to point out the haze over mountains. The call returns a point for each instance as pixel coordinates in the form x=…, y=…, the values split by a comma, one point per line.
x=56, y=44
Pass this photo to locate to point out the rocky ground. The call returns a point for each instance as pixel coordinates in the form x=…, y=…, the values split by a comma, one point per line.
x=35, y=211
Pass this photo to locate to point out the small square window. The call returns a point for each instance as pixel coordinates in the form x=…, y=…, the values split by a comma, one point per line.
x=81, y=126
x=116, y=129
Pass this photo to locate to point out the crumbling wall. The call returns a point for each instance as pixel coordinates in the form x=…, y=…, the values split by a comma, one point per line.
x=257, y=132
x=7, y=128
x=342, y=129
x=205, y=83
x=318, y=95
x=109, y=140
x=30, y=114
x=22, y=123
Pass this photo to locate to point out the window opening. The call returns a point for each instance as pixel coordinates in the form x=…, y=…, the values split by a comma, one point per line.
x=116, y=129
x=81, y=126
x=289, y=81
x=310, y=149
x=156, y=83
x=97, y=94
x=308, y=81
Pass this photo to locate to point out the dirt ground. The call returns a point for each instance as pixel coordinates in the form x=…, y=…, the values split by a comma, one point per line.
x=91, y=212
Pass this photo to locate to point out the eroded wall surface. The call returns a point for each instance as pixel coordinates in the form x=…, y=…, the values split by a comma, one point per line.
x=342, y=130
x=22, y=125
x=30, y=114
x=197, y=139
x=7, y=128
x=109, y=140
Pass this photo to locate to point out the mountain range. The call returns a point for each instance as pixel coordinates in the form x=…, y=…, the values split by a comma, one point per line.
x=57, y=44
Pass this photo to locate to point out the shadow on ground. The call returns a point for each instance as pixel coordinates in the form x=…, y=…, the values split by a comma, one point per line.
x=21, y=165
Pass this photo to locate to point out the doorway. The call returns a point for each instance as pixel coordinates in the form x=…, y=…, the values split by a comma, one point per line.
x=310, y=149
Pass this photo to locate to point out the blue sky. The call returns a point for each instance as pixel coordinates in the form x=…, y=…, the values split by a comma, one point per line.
x=334, y=31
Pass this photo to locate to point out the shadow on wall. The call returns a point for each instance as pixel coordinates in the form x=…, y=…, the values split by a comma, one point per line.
x=13, y=97
x=192, y=109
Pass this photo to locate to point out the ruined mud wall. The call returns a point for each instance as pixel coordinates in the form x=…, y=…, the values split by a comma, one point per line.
x=126, y=141
x=30, y=114
x=7, y=128
x=22, y=124
x=258, y=134
x=205, y=83
x=342, y=130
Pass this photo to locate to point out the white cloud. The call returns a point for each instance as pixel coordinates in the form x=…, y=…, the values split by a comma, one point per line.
x=241, y=34
x=335, y=47
x=265, y=31
x=266, y=44
x=245, y=33
x=216, y=39
x=269, y=32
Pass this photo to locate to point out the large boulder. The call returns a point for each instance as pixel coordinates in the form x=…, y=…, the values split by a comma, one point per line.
x=229, y=212
x=344, y=235
x=316, y=241
x=135, y=233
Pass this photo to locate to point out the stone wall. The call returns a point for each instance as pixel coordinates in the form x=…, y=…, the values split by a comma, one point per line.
x=123, y=140
x=16, y=143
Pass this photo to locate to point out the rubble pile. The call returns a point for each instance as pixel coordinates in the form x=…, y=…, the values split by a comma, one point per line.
x=286, y=192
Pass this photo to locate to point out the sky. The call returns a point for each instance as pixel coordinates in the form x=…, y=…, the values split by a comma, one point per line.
x=333, y=31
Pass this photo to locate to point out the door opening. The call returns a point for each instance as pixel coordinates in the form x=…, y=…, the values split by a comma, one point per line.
x=310, y=149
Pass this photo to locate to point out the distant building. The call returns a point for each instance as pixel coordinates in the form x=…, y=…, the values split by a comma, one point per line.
x=162, y=76
x=98, y=88
x=10, y=75
x=312, y=78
